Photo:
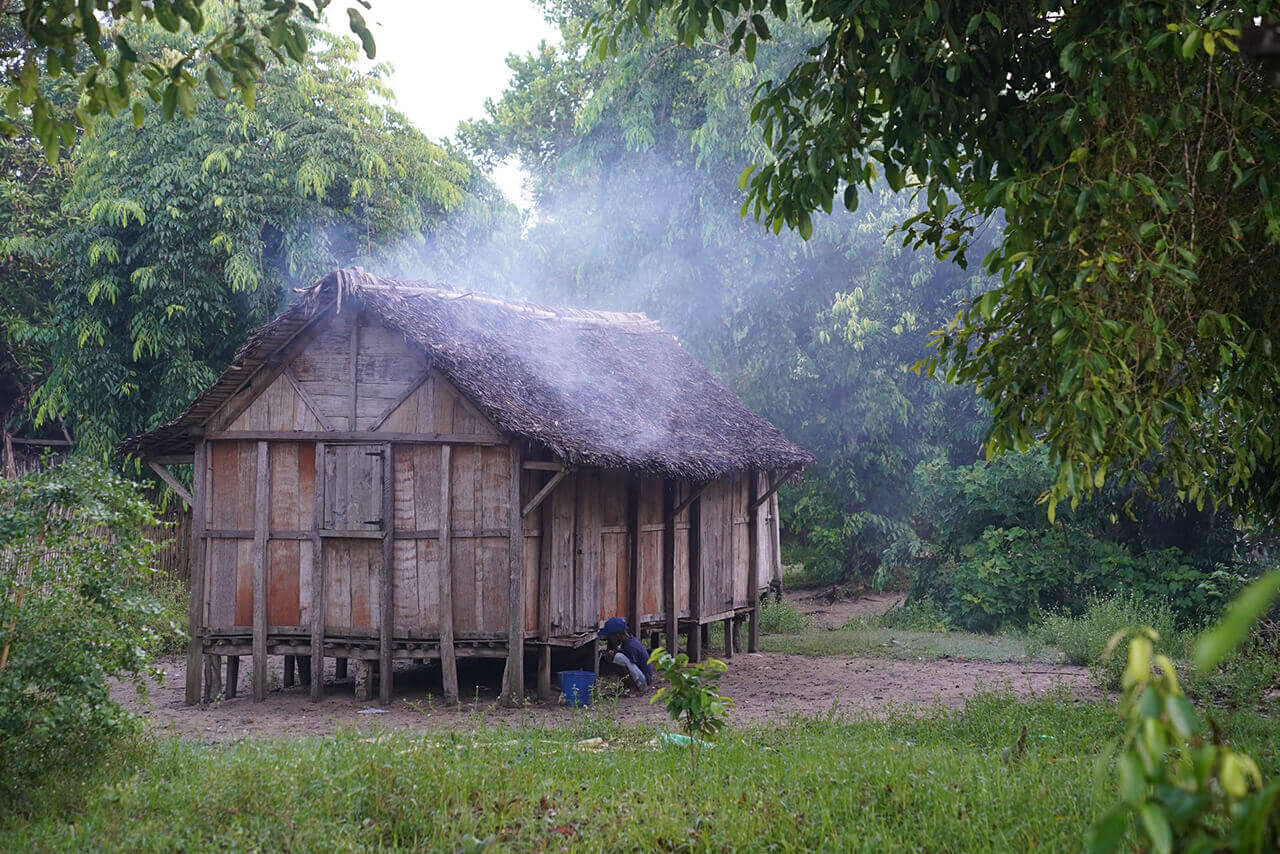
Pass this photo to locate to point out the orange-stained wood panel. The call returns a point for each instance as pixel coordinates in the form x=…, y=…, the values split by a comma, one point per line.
x=283, y=603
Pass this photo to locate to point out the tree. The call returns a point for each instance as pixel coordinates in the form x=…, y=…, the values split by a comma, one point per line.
x=96, y=49
x=31, y=192
x=1127, y=155
x=181, y=238
x=635, y=164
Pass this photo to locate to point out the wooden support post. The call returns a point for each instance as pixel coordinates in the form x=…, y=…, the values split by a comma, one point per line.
x=737, y=632
x=753, y=562
x=233, y=675
x=212, y=678
x=448, y=656
x=633, y=554
x=513, y=675
x=728, y=623
x=195, y=608
x=544, y=605
x=304, y=670
x=669, y=565
x=261, y=506
x=339, y=668
x=290, y=665
x=386, y=603
x=317, y=582
x=364, y=679
x=696, y=639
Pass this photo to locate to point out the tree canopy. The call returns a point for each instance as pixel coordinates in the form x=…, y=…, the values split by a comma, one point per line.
x=634, y=165
x=178, y=238
x=97, y=51
x=1125, y=153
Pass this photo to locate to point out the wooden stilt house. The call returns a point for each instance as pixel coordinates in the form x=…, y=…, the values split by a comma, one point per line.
x=390, y=471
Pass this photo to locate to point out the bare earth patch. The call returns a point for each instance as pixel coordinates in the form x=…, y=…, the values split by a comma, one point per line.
x=765, y=686
x=828, y=612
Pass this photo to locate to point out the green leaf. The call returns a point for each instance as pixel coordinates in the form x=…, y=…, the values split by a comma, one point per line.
x=361, y=29
x=1220, y=641
x=1190, y=43
x=1157, y=827
x=216, y=85
x=806, y=226
x=1106, y=834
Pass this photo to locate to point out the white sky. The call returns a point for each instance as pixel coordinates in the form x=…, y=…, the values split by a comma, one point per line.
x=448, y=57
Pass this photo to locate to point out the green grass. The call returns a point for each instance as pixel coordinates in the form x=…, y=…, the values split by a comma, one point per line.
x=878, y=642
x=936, y=781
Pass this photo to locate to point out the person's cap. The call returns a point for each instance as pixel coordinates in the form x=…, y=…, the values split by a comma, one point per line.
x=613, y=625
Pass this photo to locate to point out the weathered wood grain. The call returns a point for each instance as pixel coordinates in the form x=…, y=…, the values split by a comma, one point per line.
x=448, y=660
x=513, y=675
x=316, y=612
x=261, y=506
x=669, y=567
x=386, y=581
x=199, y=547
x=753, y=563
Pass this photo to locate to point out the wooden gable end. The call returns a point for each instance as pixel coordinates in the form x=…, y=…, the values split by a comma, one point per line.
x=351, y=373
x=279, y=407
x=436, y=406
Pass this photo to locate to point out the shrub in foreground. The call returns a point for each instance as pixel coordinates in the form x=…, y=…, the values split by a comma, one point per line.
x=76, y=609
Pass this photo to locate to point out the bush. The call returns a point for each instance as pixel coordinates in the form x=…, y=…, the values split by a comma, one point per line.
x=76, y=610
x=991, y=558
x=922, y=615
x=1083, y=639
x=781, y=617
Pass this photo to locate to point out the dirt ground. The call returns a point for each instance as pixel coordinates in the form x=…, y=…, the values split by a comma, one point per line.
x=826, y=612
x=765, y=686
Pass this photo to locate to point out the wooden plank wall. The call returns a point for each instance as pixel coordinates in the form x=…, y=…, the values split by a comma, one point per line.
x=588, y=553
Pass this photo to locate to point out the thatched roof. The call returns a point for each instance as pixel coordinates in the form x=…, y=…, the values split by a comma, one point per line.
x=595, y=388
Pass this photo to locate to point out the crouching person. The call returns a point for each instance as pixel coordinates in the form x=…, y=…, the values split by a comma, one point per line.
x=625, y=656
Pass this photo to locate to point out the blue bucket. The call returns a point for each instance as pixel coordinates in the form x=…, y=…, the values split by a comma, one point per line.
x=575, y=687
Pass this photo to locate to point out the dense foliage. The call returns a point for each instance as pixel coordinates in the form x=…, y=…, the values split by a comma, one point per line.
x=98, y=53
x=991, y=557
x=177, y=239
x=634, y=164
x=1130, y=153
x=76, y=609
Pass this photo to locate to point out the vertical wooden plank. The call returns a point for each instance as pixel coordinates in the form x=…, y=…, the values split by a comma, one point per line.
x=195, y=609
x=775, y=534
x=669, y=564
x=448, y=660
x=351, y=372
x=728, y=623
x=513, y=675
x=317, y=578
x=753, y=562
x=633, y=553
x=261, y=507
x=695, y=576
x=386, y=604
x=544, y=602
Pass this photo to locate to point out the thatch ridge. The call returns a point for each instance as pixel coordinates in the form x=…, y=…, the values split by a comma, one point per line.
x=596, y=388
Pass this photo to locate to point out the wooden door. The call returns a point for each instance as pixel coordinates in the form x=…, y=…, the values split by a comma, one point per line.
x=353, y=488
x=353, y=523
